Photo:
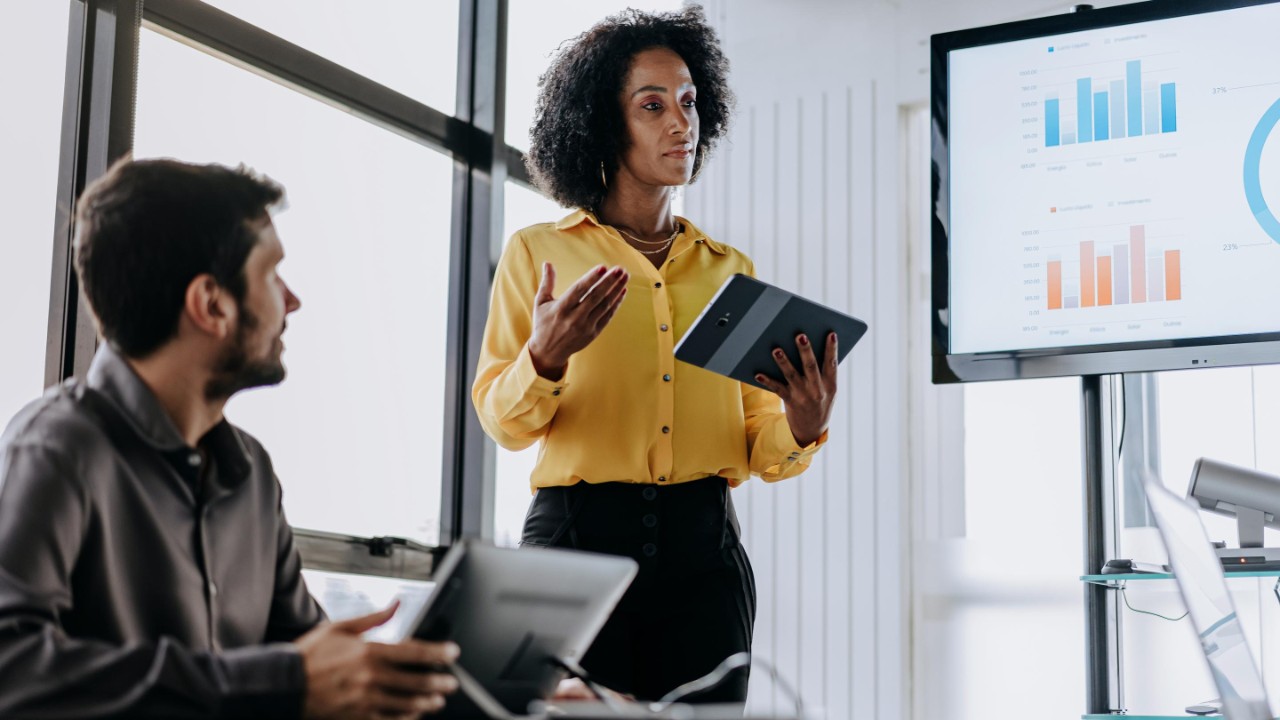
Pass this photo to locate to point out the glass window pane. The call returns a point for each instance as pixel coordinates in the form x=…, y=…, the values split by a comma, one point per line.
x=534, y=34
x=521, y=207
x=356, y=430
x=1205, y=413
x=407, y=45
x=1008, y=589
x=1023, y=474
x=1266, y=428
x=33, y=38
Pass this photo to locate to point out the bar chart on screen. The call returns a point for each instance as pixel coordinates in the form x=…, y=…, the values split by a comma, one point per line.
x=1103, y=273
x=1128, y=102
x=1124, y=184
x=1111, y=280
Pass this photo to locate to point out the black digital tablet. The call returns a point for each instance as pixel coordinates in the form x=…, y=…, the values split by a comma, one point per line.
x=736, y=333
x=516, y=615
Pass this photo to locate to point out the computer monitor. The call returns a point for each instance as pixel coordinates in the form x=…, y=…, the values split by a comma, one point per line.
x=513, y=611
x=1204, y=590
x=1105, y=194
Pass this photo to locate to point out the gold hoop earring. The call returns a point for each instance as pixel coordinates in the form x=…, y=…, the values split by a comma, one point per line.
x=603, y=180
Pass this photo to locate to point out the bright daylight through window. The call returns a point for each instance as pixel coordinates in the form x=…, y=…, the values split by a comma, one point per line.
x=366, y=237
x=34, y=39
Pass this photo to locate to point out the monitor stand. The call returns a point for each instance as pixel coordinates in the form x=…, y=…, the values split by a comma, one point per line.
x=1249, y=559
x=1251, y=555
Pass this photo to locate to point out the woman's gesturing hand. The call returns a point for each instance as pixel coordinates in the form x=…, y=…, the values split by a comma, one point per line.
x=563, y=326
x=808, y=394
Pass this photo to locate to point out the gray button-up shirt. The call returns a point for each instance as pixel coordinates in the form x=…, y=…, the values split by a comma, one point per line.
x=140, y=577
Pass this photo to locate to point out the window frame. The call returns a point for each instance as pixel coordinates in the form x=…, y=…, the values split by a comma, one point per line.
x=97, y=128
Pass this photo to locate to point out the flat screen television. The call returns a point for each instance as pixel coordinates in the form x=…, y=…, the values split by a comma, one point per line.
x=1106, y=191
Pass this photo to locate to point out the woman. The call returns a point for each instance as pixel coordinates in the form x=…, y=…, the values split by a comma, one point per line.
x=638, y=451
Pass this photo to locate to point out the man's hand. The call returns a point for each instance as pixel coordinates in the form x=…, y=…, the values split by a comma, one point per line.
x=571, y=689
x=807, y=393
x=348, y=678
x=562, y=327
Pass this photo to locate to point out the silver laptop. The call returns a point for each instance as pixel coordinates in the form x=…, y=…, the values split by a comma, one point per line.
x=1204, y=590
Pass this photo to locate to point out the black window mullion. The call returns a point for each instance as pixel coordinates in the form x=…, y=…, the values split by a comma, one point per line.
x=97, y=129
x=468, y=459
x=516, y=171
x=256, y=49
x=379, y=557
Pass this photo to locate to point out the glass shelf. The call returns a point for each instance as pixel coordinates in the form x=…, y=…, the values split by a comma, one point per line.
x=1118, y=580
x=1114, y=580
x=1131, y=716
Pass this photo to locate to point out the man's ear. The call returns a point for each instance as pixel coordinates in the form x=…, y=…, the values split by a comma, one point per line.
x=209, y=307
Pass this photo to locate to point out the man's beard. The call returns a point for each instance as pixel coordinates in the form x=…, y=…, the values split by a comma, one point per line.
x=235, y=371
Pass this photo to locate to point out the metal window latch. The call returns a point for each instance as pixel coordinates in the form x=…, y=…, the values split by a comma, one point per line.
x=384, y=546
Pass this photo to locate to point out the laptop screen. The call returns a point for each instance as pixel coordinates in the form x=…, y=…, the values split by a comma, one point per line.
x=1204, y=590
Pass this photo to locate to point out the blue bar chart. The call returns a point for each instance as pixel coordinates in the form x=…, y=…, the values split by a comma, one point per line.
x=1168, y=108
x=1052, y=123
x=1112, y=108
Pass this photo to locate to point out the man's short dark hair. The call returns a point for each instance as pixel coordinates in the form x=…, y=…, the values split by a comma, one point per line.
x=147, y=228
x=579, y=122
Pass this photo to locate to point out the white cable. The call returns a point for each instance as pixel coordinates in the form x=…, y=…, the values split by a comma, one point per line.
x=487, y=704
x=717, y=676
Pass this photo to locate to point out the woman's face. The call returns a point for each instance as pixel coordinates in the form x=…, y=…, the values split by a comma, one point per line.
x=662, y=120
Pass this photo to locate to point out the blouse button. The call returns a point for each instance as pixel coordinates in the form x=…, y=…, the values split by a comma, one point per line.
x=657, y=285
x=666, y=378
x=663, y=327
x=665, y=429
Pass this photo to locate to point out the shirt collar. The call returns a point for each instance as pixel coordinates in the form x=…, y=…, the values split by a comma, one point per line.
x=115, y=380
x=578, y=217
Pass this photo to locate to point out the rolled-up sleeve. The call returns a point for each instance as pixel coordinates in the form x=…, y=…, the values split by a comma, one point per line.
x=515, y=404
x=44, y=673
x=772, y=450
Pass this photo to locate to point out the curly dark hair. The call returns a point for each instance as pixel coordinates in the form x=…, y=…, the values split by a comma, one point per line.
x=579, y=122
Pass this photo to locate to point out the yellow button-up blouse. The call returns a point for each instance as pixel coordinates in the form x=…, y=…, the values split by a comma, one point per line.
x=626, y=410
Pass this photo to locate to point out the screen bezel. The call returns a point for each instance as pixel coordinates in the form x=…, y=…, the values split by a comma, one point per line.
x=1179, y=354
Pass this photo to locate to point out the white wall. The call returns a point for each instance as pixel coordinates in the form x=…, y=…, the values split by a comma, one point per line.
x=807, y=185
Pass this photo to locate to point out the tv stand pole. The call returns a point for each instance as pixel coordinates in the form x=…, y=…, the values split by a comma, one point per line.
x=1103, y=654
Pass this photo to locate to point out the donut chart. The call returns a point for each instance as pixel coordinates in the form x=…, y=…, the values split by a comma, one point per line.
x=1252, y=172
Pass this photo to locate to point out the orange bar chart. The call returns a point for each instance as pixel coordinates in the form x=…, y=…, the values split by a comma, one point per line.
x=1055, y=284
x=1111, y=272
x=1104, y=279
x=1172, y=274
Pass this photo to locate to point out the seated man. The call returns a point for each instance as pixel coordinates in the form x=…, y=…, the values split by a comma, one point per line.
x=146, y=566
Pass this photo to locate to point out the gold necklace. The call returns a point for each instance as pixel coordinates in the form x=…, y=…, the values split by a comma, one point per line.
x=664, y=243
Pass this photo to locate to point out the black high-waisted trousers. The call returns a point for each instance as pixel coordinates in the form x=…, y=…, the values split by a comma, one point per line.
x=693, y=602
